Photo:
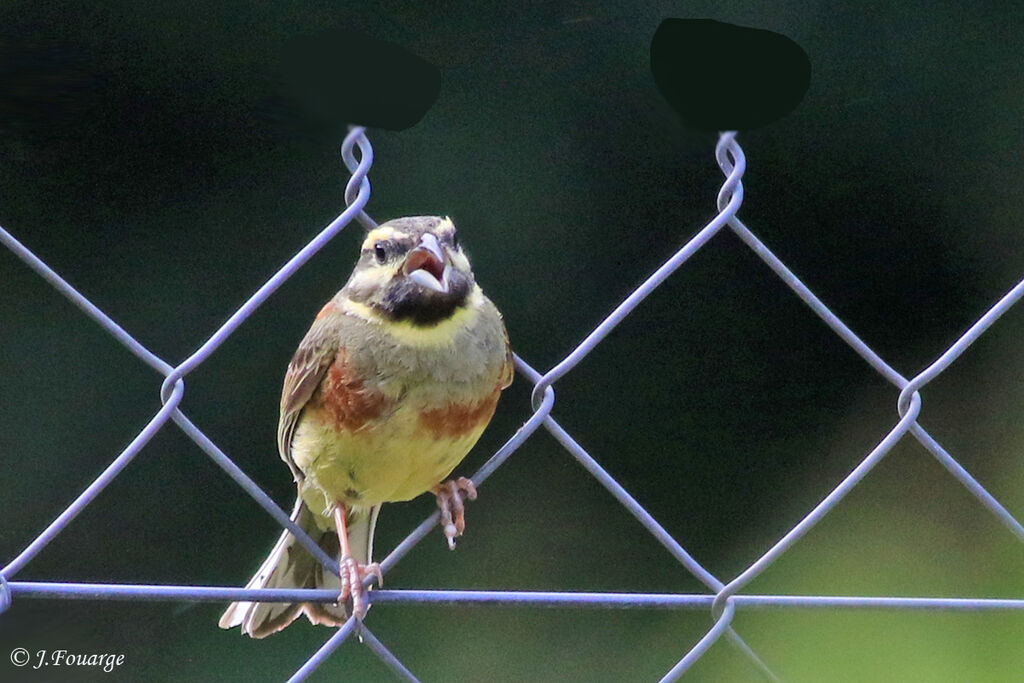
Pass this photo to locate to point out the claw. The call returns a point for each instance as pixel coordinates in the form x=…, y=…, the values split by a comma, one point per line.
x=373, y=569
x=453, y=510
x=352, y=586
x=352, y=576
x=352, y=573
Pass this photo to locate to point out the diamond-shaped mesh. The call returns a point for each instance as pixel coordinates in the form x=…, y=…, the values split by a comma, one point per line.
x=723, y=598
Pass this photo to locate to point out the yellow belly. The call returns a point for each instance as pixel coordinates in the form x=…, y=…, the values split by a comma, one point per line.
x=391, y=460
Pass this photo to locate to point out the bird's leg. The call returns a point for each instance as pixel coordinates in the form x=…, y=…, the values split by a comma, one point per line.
x=453, y=510
x=352, y=573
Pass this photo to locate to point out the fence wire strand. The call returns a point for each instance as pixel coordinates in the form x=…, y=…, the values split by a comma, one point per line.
x=725, y=597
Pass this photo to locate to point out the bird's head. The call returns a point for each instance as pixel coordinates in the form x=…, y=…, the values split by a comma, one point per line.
x=412, y=269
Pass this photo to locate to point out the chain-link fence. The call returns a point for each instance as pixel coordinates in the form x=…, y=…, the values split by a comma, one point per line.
x=723, y=598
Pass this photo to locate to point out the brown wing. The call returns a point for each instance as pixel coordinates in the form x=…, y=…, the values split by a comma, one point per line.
x=306, y=370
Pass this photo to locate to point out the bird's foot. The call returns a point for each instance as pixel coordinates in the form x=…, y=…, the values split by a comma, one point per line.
x=453, y=510
x=352, y=576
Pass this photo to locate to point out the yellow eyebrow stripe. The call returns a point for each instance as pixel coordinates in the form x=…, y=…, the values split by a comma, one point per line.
x=382, y=233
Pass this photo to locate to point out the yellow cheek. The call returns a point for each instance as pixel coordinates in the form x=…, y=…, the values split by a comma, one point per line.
x=368, y=279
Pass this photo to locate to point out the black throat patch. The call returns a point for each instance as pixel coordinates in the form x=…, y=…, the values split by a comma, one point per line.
x=405, y=301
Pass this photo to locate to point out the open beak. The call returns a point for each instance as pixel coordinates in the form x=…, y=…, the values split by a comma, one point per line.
x=426, y=265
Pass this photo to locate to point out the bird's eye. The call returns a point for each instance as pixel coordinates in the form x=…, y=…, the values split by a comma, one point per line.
x=380, y=251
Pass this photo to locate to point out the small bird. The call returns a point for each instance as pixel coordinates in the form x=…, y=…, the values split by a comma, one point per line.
x=389, y=390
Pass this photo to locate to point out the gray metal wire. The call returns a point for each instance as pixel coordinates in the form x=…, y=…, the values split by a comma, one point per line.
x=723, y=599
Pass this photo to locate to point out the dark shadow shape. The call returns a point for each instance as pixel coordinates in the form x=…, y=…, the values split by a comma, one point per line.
x=724, y=77
x=340, y=76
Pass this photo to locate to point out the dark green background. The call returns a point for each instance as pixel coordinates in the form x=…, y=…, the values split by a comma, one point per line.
x=146, y=155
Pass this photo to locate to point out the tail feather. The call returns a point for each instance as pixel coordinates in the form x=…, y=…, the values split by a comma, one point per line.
x=289, y=565
x=360, y=535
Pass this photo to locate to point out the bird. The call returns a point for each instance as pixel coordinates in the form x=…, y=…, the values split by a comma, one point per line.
x=391, y=387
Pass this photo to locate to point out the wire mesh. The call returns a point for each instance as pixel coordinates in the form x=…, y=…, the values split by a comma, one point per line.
x=724, y=598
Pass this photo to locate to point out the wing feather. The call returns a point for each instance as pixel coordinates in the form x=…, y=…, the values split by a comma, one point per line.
x=508, y=370
x=305, y=372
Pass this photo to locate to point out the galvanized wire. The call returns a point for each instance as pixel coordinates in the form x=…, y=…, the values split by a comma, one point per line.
x=723, y=599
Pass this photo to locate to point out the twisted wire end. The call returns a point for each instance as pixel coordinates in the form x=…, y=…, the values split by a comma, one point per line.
x=359, y=168
x=733, y=163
